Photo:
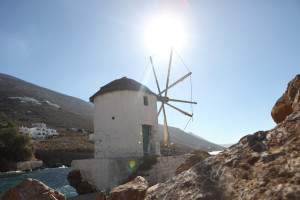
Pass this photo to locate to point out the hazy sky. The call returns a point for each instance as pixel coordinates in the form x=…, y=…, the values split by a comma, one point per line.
x=242, y=53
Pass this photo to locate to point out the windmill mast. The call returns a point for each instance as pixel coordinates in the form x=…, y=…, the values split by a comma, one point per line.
x=162, y=96
x=166, y=128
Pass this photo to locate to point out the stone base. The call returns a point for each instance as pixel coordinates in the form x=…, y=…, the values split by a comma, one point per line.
x=105, y=173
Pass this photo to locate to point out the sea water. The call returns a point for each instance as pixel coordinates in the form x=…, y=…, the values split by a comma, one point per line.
x=55, y=178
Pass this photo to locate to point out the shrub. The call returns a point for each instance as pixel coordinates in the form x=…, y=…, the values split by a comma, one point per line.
x=14, y=146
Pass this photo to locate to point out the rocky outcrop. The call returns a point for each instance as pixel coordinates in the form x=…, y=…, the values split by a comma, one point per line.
x=288, y=102
x=32, y=189
x=133, y=190
x=265, y=165
x=81, y=186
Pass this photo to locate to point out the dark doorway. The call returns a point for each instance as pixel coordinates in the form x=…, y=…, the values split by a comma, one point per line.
x=146, y=138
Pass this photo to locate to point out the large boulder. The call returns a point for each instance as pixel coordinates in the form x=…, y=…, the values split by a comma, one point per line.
x=32, y=189
x=289, y=102
x=81, y=186
x=133, y=190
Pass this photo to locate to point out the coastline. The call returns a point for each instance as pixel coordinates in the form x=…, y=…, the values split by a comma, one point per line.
x=56, y=178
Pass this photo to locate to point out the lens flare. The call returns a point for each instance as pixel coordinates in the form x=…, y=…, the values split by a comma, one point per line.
x=132, y=165
x=164, y=32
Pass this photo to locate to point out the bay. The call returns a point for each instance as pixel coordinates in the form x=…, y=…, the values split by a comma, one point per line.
x=55, y=178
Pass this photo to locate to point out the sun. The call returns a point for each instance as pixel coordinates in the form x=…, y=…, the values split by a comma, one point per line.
x=164, y=32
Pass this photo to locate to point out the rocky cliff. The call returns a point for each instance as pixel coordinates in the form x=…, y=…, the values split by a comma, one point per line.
x=265, y=165
x=288, y=102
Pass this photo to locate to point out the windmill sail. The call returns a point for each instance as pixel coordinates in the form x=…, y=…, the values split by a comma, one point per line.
x=162, y=96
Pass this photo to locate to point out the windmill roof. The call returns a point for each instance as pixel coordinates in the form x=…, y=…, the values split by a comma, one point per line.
x=120, y=85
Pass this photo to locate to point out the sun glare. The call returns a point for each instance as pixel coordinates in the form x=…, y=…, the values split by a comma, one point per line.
x=164, y=32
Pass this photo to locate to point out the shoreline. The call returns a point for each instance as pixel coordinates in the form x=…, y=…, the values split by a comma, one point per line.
x=55, y=178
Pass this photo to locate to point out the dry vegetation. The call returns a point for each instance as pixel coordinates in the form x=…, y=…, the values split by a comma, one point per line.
x=74, y=142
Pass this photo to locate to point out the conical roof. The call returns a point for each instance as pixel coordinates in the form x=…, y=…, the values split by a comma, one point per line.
x=119, y=85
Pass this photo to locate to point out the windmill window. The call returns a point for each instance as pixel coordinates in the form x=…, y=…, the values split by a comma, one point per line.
x=146, y=102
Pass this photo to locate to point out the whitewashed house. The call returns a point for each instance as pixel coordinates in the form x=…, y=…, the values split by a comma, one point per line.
x=38, y=131
x=125, y=129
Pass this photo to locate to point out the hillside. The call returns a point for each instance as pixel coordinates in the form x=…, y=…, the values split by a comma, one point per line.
x=26, y=103
x=189, y=140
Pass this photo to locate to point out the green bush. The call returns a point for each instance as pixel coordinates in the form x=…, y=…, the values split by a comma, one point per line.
x=14, y=146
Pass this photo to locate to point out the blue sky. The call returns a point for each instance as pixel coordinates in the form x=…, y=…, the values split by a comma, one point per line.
x=242, y=54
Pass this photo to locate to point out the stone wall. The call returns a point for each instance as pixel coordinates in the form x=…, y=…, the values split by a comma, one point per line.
x=108, y=173
x=164, y=168
x=58, y=158
x=104, y=173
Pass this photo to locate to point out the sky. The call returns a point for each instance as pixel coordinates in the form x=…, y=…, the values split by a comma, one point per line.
x=242, y=54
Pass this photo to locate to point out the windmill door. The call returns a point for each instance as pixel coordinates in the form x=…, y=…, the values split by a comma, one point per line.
x=146, y=138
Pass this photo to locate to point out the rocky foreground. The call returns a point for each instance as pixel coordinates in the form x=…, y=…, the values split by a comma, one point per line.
x=265, y=165
x=31, y=189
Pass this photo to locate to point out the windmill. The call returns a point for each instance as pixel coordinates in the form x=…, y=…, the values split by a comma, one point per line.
x=165, y=100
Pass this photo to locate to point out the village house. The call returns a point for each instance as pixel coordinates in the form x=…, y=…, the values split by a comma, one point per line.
x=38, y=131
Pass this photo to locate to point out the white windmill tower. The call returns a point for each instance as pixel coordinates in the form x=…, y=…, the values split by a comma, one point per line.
x=165, y=100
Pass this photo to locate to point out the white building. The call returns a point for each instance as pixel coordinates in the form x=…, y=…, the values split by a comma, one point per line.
x=125, y=129
x=125, y=120
x=38, y=131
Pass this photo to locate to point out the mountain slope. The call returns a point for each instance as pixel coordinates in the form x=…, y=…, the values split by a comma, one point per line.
x=27, y=103
x=189, y=140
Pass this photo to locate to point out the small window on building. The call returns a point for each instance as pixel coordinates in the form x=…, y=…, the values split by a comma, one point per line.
x=146, y=102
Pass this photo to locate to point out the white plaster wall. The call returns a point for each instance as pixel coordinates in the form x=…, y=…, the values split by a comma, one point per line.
x=122, y=137
x=103, y=173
